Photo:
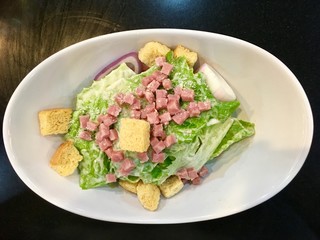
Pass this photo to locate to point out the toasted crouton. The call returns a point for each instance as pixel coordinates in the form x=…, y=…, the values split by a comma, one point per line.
x=148, y=195
x=171, y=186
x=66, y=159
x=191, y=57
x=151, y=51
x=54, y=121
x=134, y=135
x=129, y=186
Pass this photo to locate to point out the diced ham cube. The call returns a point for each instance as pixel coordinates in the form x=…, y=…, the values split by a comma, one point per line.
x=192, y=173
x=136, y=104
x=128, y=98
x=143, y=157
x=166, y=68
x=183, y=174
x=150, y=108
x=161, y=103
x=180, y=117
x=110, y=178
x=113, y=135
x=175, y=97
x=103, y=131
x=196, y=181
x=84, y=119
x=193, y=109
x=135, y=114
x=153, y=117
x=187, y=95
x=161, y=93
x=153, y=86
x=157, y=130
x=116, y=156
x=114, y=110
x=91, y=126
x=170, y=140
x=140, y=91
x=173, y=107
x=108, y=119
x=158, y=157
x=119, y=98
x=165, y=117
x=166, y=83
x=203, y=171
x=149, y=96
x=204, y=106
x=159, y=147
x=105, y=144
x=177, y=90
x=85, y=135
x=109, y=152
x=159, y=61
x=146, y=80
x=126, y=167
x=154, y=141
x=159, y=76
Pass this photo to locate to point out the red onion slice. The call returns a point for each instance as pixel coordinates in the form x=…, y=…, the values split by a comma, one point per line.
x=131, y=59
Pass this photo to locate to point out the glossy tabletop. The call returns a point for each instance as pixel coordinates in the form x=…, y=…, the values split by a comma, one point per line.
x=31, y=31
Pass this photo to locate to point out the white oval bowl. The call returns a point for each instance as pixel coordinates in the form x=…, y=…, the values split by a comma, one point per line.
x=248, y=174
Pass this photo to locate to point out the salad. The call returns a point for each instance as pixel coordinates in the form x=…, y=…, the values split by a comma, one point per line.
x=150, y=121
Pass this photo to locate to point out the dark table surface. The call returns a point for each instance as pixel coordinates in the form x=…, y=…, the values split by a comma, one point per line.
x=32, y=30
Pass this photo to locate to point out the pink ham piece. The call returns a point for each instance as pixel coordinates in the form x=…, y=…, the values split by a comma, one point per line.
x=165, y=117
x=166, y=83
x=177, y=90
x=180, y=117
x=110, y=178
x=150, y=108
x=183, y=174
x=157, y=130
x=159, y=76
x=104, y=144
x=161, y=93
x=116, y=156
x=108, y=119
x=173, y=107
x=114, y=110
x=149, y=96
x=136, y=104
x=161, y=103
x=154, y=141
x=203, y=171
x=187, y=95
x=159, y=147
x=196, y=181
x=135, y=114
x=192, y=173
x=159, y=61
x=91, y=126
x=85, y=135
x=103, y=131
x=166, y=68
x=143, y=157
x=158, y=157
x=174, y=97
x=146, y=80
x=140, y=91
x=126, y=167
x=119, y=99
x=128, y=98
x=153, y=117
x=113, y=135
x=204, y=106
x=193, y=109
x=170, y=140
x=84, y=119
x=109, y=152
x=153, y=86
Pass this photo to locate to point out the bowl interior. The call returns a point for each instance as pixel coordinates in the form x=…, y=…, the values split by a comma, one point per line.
x=250, y=173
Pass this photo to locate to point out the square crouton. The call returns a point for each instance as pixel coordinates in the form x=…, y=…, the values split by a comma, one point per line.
x=134, y=135
x=149, y=52
x=191, y=57
x=54, y=121
x=171, y=186
x=66, y=159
